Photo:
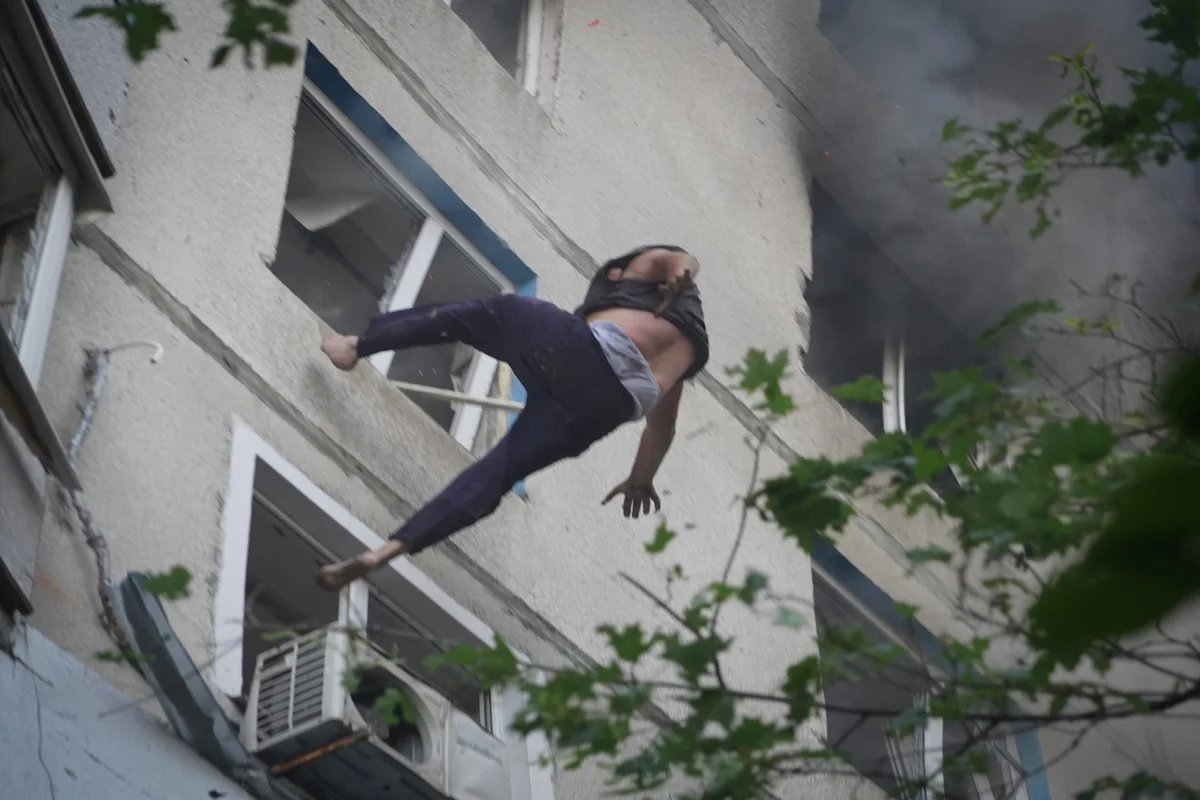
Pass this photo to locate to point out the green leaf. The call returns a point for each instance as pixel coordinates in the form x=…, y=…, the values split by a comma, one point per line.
x=801, y=687
x=930, y=462
x=908, y=721
x=629, y=643
x=142, y=23
x=1041, y=223
x=802, y=506
x=1181, y=398
x=755, y=583
x=1018, y=317
x=171, y=585
x=395, y=706
x=1026, y=502
x=220, y=55
x=1059, y=703
x=662, y=537
x=491, y=666
x=1080, y=441
x=118, y=657
x=866, y=389
x=763, y=374
x=1055, y=118
x=790, y=618
x=953, y=129
x=279, y=53
x=924, y=555
x=694, y=657
x=1143, y=565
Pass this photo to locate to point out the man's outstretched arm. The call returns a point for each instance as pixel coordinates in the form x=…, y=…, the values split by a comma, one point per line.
x=638, y=488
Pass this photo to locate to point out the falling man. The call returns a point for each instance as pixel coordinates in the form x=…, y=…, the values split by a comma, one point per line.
x=622, y=355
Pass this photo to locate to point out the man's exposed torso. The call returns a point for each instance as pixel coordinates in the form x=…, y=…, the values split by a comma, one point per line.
x=674, y=343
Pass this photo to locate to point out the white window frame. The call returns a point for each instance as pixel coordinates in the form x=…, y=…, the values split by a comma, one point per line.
x=41, y=274
x=895, y=412
x=529, y=43
x=895, y=416
x=412, y=273
x=1002, y=749
x=247, y=450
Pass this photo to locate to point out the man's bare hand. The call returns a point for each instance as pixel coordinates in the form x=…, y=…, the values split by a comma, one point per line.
x=672, y=289
x=638, y=498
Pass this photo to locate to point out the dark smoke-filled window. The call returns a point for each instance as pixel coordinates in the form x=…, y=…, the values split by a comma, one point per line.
x=869, y=318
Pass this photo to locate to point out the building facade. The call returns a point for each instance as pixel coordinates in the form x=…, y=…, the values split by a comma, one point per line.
x=199, y=230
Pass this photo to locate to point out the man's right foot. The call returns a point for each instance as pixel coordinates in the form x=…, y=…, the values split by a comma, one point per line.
x=335, y=576
x=341, y=350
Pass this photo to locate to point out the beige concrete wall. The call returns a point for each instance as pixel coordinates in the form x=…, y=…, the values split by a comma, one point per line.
x=655, y=131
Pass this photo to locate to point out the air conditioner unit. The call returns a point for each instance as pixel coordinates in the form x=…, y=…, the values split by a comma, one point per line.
x=303, y=721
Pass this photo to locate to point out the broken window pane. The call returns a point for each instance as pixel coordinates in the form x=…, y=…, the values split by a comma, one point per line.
x=452, y=276
x=346, y=231
x=498, y=25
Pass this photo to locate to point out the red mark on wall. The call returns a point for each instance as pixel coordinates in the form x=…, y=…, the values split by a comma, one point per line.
x=593, y=23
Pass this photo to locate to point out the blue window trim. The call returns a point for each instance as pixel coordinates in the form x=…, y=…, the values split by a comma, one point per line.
x=325, y=76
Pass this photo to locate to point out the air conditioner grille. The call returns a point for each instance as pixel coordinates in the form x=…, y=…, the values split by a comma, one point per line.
x=291, y=687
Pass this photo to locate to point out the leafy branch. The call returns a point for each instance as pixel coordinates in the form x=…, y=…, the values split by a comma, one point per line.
x=1159, y=122
x=252, y=28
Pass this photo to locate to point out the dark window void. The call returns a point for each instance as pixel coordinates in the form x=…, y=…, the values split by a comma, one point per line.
x=498, y=24
x=345, y=232
x=869, y=697
x=23, y=180
x=857, y=299
x=281, y=602
x=279, y=596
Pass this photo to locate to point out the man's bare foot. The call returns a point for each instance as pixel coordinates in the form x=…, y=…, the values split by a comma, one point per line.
x=335, y=576
x=342, y=351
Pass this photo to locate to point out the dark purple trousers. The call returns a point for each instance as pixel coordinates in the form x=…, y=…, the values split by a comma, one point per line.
x=574, y=398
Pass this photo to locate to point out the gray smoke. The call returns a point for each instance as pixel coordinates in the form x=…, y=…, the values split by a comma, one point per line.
x=877, y=157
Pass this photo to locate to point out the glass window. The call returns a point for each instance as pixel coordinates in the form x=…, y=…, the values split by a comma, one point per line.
x=452, y=274
x=356, y=239
x=345, y=232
